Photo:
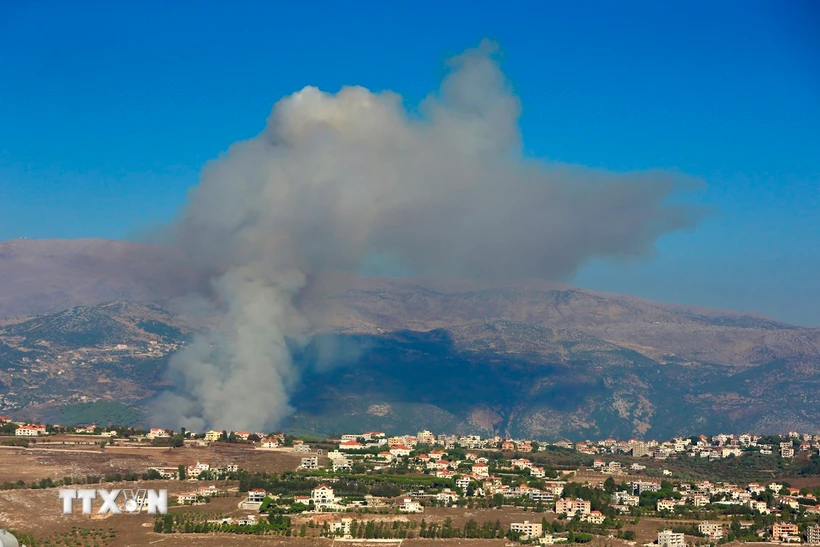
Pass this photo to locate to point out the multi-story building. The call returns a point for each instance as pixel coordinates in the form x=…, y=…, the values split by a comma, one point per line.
x=813, y=535
x=639, y=487
x=713, y=530
x=572, y=507
x=668, y=538
x=783, y=530
x=30, y=430
x=310, y=463
x=256, y=495
x=527, y=529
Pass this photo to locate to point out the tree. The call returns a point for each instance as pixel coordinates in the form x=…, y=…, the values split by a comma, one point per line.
x=181, y=472
x=609, y=485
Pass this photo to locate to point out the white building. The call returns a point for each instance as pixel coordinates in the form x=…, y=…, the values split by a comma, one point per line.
x=158, y=433
x=341, y=528
x=310, y=463
x=813, y=535
x=668, y=538
x=30, y=430
x=257, y=495
x=713, y=530
x=410, y=506
x=527, y=529
x=572, y=507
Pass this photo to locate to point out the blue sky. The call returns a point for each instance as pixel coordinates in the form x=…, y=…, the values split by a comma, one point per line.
x=109, y=109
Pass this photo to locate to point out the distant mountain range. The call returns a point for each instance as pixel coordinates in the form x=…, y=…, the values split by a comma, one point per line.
x=536, y=359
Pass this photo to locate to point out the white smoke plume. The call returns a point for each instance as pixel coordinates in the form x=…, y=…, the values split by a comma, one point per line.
x=334, y=180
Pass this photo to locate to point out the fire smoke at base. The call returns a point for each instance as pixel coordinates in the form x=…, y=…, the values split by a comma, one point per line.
x=334, y=180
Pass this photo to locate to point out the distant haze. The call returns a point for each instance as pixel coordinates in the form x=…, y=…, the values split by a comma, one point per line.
x=335, y=180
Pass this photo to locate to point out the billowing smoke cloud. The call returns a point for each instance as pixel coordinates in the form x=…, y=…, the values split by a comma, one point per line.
x=334, y=180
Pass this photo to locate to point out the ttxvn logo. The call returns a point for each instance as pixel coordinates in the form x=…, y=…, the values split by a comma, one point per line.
x=116, y=502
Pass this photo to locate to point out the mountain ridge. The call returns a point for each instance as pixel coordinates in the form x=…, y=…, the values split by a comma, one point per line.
x=538, y=359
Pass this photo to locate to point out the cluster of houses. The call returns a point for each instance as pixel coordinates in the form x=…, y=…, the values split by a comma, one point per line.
x=781, y=532
x=371, y=439
x=704, y=493
x=713, y=448
x=196, y=471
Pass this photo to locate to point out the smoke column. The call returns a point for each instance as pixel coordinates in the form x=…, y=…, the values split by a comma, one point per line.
x=334, y=180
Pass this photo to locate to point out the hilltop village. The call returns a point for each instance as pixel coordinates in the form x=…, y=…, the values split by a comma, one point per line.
x=694, y=490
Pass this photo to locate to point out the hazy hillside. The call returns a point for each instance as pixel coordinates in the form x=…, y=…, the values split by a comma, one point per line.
x=537, y=359
x=47, y=275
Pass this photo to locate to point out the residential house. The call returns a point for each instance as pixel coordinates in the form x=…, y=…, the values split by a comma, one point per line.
x=668, y=538
x=712, y=530
x=447, y=496
x=158, y=433
x=702, y=500
x=323, y=495
x=595, y=517
x=627, y=499
x=463, y=482
x=257, y=495
x=310, y=463
x=813, y=535
x=401, y=450
x=784, y=531
x=213, y=435
x=668, y=505
x=639, y=487
x=30, y=430
x=537, y=472
x=270, y=443
x=554, y=488
x=521, y=463
x=351, y=446
x=168, y=473
x=527, y=529
x=572, y=507
x=425, y=437
x=341, y=528
x=194, y=471
x=481, y=470
x=410, y=506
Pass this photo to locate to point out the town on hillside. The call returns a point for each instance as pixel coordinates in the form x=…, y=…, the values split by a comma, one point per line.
x=700, y=490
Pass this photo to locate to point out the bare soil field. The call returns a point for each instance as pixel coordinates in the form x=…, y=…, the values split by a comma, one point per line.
x=35, y=463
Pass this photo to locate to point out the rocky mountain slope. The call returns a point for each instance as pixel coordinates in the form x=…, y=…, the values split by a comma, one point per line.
x=536, y=359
